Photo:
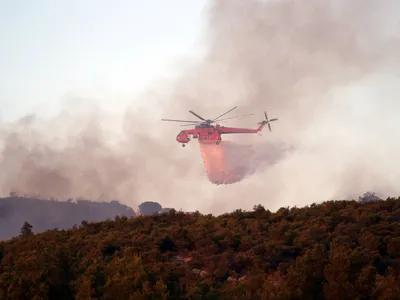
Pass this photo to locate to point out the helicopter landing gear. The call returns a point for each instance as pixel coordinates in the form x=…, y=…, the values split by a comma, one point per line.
x=217, y=142
x=183, y=145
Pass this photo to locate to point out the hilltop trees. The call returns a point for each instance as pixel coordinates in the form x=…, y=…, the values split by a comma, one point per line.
x=334, y=250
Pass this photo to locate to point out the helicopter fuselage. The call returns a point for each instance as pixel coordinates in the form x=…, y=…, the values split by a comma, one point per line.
x=202, y=133
x=211, y=133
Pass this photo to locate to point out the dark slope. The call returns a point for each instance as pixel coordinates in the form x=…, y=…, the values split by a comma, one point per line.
x=47, y=214
x=335, y=250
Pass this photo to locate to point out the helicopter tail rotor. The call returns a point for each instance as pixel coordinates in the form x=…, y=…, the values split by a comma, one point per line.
x=267, y=121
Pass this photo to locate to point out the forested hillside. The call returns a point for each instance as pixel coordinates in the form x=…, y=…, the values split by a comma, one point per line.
x=334, y=250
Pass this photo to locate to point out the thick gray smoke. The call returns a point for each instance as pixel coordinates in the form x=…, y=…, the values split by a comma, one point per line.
x=326, y=69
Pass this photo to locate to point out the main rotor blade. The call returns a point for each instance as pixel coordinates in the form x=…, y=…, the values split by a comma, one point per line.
x=171, y=120
x=193, y=113
x=235, y=117
x=194, y=124
x=224, y=113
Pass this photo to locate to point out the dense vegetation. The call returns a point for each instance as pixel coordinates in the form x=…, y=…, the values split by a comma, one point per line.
x=45, y=214
x=334, y=250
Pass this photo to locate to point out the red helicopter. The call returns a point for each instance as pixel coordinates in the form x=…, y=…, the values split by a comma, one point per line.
x=205, y=132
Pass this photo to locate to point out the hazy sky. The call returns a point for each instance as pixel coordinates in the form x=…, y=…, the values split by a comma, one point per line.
x=329, y=73
x=49, y=49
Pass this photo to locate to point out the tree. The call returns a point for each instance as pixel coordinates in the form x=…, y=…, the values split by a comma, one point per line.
x=338, y=285
x=306, y=276
x=26, y=229
x=149, y=208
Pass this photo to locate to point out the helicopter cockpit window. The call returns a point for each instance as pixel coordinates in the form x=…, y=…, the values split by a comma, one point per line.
x=181, y=133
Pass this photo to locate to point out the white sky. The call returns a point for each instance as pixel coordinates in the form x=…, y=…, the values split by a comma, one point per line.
x=49, y=49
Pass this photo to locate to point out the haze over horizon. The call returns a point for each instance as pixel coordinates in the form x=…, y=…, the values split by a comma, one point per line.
x=100, y=76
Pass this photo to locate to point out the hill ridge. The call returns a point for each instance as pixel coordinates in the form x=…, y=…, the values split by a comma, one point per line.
x=331, y=250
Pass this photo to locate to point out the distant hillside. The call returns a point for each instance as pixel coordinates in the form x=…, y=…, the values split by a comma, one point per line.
x=335, y=250
x=47, y=214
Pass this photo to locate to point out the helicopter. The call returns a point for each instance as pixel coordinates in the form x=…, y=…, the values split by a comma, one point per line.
x=204, y=131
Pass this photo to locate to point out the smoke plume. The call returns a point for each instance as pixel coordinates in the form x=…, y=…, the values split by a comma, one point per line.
x=229, y=163
x=327, y=69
